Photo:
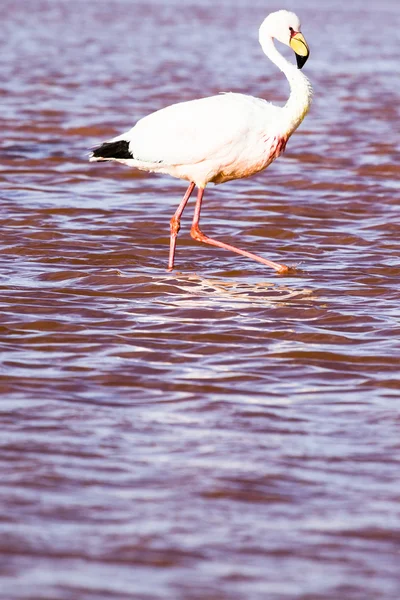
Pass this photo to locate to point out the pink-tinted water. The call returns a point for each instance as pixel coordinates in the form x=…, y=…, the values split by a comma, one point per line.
x=218, y=432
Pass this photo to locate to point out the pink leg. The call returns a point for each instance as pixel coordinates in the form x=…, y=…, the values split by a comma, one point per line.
x=175, y=224
x=200, y=237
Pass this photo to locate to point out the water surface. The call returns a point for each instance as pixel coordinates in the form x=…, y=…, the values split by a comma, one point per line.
x=218, y=432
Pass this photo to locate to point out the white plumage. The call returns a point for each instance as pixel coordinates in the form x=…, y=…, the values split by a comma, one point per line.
x=198, y=140
x=223, y=137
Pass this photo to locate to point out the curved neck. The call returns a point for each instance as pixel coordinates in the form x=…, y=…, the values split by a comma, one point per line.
x=299, y=100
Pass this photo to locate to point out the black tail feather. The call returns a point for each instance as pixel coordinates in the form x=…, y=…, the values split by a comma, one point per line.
x=118, y=149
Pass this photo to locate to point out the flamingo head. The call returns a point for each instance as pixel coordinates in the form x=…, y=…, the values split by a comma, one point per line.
x=285, y=27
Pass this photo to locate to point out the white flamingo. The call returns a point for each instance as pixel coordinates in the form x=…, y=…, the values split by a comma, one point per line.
x=223, y=137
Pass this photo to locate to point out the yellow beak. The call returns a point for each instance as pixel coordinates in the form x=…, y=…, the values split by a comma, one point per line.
x=301, y=49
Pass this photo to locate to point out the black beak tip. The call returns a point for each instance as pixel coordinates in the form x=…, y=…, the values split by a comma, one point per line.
x=301, y=60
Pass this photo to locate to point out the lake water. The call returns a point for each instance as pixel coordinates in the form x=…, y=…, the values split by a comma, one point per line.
x=218, y=432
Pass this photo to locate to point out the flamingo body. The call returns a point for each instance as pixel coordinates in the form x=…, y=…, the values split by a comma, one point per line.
x=213, y=139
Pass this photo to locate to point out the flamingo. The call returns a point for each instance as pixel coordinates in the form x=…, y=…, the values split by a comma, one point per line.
x=222, y=137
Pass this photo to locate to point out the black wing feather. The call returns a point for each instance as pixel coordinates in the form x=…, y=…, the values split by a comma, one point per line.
x=118, y=149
